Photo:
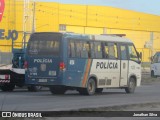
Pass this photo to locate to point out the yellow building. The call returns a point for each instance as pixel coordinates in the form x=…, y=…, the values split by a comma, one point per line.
x=143, y=29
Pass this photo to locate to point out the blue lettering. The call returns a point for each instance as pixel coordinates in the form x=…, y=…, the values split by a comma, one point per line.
x=12, y=35
x=9, y=35
x=2, y=34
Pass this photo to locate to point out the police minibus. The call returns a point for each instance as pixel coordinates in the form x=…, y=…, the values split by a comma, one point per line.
x=87, y=63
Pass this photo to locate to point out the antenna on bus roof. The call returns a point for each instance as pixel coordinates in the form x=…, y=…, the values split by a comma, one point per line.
x=120, y=35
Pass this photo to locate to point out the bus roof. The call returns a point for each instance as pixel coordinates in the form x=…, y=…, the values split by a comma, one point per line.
x=107, y=37
x=112, y=38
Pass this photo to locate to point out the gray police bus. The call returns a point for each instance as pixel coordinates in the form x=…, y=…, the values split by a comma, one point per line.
x=87, y=63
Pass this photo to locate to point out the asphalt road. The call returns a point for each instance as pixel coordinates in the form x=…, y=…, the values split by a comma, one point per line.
x=22, y=100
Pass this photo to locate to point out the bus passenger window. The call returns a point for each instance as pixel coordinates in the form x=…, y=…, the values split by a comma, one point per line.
x=85, y=53
x=123, y=52
x=78, y=49
x=92, y=52
x=71, y=51
x=98, y=50
x=113, y=54
x=133, y=53
x=105, y=51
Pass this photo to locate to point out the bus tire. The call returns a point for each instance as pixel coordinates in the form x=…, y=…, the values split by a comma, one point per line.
x=33, y=88
x=91, y=88
x=131, y=86
x=7, y=87
x=99, y=90
x=152, y=74
x=57, y=90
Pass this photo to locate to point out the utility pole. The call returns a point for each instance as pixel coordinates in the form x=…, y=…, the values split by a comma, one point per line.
x=28, y=20
x=33, y=20
x=25, y=20
x=152, y=43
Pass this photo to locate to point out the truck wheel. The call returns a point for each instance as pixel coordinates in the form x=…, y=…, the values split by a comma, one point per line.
x=91, y=87
x=99, y=90
x=152, y=74
x=131, y=86
x=7, y=87
x=57, y=90
x=34, y=88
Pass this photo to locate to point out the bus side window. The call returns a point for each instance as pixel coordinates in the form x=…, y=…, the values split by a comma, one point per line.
x=92, y=50
x=71, y=47
x=85, y=53
x=132, y=53
x=113, y=53
x=78, y=48
x=123, y=52
x=106, y=51
x=98, y=49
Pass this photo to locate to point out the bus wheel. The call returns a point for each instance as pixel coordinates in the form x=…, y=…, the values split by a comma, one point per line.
x=90, y=90
x=152, y=74
x=57, y=90
x=7, y=87
x=131, y=86
x=34, y=88
x=99, y=90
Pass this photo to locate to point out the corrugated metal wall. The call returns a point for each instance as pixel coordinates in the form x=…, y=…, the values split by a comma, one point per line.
x=83, y=19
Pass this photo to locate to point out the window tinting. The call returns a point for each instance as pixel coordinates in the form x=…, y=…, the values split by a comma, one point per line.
x=98, y=50
x=80, y=49
x=123, y=52
x=106, y=50
x=44, y=47
x=71, y=51
x=132, y=53
x=85, y=51
x=92, y=52
x=113, y=54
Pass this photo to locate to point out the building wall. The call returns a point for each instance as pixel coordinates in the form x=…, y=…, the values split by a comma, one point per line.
x=80, y=19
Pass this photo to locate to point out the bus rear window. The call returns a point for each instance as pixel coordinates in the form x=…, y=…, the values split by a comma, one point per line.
x=44, y=47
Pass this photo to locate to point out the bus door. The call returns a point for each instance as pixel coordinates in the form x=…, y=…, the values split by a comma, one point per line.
x=112, y=69
x=124, y=65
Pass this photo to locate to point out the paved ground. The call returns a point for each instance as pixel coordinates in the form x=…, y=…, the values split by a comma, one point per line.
x=146, y=97
x=44, y=100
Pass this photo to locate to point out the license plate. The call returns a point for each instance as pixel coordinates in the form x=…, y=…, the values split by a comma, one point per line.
x=42, y=80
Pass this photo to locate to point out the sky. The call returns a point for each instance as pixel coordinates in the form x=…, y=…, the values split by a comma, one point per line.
x=145, y=6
